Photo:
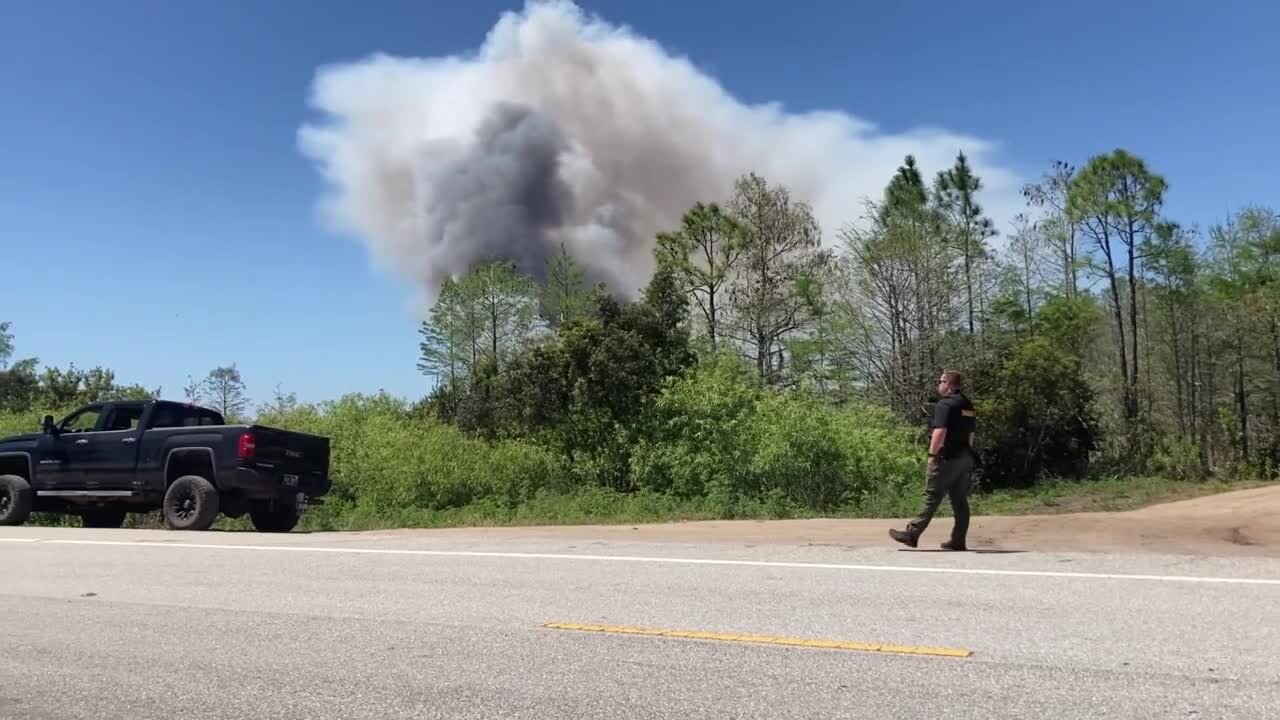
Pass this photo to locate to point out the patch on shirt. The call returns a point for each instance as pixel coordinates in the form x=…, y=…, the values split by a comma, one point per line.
x=968, y=413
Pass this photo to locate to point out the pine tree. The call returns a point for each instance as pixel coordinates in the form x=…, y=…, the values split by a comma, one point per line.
x=956, y=190
x=704, y=253
x=565, y=296
x=781, y=250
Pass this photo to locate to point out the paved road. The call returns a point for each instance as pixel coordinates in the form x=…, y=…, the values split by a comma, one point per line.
x=137, y=624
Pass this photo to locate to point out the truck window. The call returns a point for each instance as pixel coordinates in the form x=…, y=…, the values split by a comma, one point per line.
x=171, y=416
x=123, y=417
x=165, y=416
x=84, y=421
x=200, y=416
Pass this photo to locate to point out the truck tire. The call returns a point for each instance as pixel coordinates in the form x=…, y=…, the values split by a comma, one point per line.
x=15, y=500
x=190, y=503
x=280, y=516
x=103, y=517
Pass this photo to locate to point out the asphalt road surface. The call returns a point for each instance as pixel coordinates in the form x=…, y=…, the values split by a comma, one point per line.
x=151, y=624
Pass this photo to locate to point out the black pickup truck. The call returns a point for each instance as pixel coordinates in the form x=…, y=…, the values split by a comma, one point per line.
x=108, y=459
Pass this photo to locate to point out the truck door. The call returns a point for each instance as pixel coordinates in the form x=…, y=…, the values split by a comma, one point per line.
x=61, y=457
x=111, y=461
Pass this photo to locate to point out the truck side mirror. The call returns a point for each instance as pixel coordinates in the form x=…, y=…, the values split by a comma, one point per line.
x=48, y=427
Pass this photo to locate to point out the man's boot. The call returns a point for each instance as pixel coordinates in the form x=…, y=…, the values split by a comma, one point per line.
x=903, y=536
x=954, y=546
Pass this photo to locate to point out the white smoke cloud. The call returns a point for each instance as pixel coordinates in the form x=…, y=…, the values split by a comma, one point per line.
x=565, y=128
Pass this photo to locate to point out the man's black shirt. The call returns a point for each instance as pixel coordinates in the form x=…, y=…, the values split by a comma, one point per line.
x=956, y=414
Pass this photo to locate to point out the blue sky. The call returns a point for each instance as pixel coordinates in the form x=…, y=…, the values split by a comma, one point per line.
x=152, y=187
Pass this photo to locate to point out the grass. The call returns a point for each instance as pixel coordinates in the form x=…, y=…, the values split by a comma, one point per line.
x=1113, y=494
x=606, y=508
x=592, y=506
x=595, y=506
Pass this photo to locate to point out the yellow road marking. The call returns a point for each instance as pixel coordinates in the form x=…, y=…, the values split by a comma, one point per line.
x=764, y=639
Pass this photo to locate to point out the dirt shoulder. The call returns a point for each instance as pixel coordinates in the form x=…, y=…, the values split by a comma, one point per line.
x=1241, y=523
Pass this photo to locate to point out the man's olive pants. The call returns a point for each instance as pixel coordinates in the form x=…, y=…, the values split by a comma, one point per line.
x=949, y=477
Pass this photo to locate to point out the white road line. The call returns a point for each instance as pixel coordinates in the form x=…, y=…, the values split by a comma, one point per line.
x=661, y=560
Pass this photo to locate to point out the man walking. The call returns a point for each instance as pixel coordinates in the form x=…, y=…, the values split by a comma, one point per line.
x=950, y=464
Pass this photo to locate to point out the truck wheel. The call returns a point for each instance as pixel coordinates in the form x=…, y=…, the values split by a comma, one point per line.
x=191, y=503
x=103, y=517
x=15, y=500
x=278, y=516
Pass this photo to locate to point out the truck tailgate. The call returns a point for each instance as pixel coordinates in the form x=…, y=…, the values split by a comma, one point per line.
x=292, y=453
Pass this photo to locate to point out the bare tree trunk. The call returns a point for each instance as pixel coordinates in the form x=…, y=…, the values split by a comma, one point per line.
x=1197, y=427
x=1030, y=311
x=1073, y=286
x=1200, y=428
x=1118, y=316
x=1241, y=398
x=1146, y=345
x=1175, y=344
x=968, y=278
x=1133, y=321
x=493, y=327
x=711, y=319
x=1210, y=399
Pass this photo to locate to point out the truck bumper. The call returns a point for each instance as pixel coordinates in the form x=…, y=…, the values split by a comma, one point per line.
x=265, y=484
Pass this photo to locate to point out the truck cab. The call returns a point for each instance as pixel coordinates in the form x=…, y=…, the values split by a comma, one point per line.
x=95, y=450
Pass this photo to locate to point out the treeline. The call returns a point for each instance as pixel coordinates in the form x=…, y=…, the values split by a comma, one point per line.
x=1103, y=338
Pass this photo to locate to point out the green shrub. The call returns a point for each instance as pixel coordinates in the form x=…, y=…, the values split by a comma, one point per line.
x=384, y=458
x=717, y=433
x=1178, y=459
x=1036, y=418
x=696, y=442
x=19, y=423
x=885, y=462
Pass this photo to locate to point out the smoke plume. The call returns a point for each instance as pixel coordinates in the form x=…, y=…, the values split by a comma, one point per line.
x=563, y=128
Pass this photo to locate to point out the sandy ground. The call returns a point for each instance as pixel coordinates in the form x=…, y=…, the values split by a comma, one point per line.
x=1242, y=523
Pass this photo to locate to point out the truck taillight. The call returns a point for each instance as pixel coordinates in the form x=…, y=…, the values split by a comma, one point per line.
x=247, y=447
